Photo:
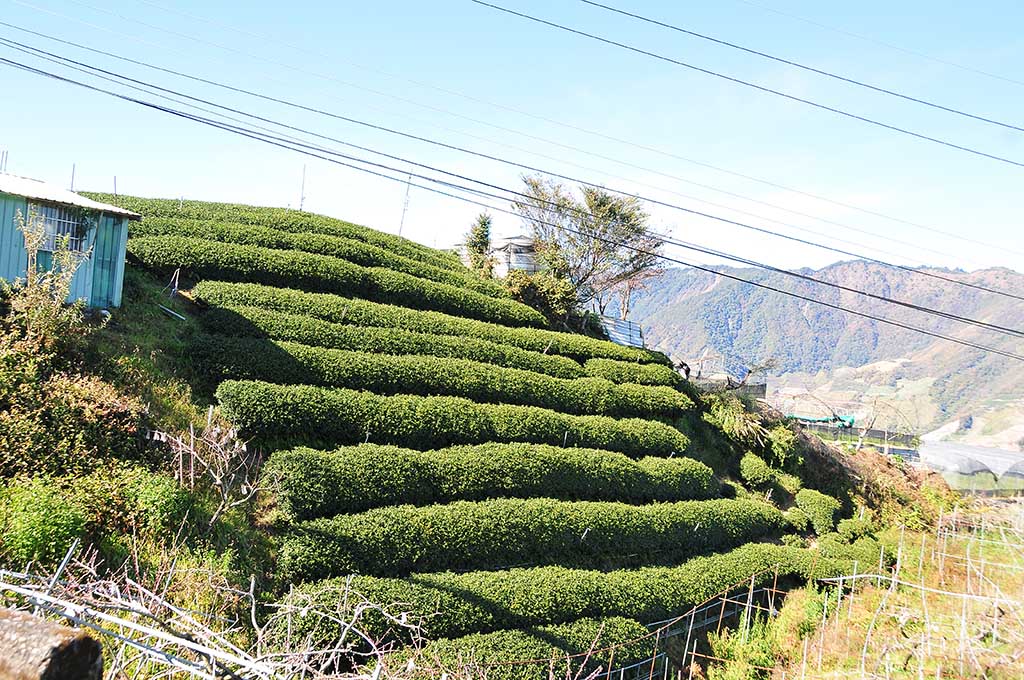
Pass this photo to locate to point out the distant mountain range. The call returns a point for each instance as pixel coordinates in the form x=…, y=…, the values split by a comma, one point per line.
x=854, y=361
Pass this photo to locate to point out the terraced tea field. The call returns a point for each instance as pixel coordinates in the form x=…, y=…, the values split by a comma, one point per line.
x=517, y=490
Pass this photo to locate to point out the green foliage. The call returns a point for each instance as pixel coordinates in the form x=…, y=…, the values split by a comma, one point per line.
x=629, y=372
x=121, y=499
x=210, y=259
x=490, y=534
x=550, y=295
x=292, y=363
x=781, y=444
x=37, y=523
x=569, y=644
x=53, y=419
x=308, y=330
x=478, y=244
x=596, y=243
x=450, y=604
x=821, y=509
x=746, y=651
x=345, y=416
x=799, y=519
x=364, y=313
x=852, y=529
x=755, y=471
x=355, y=251
x=60, y=423
x=728, y=413
x=306, y=481
x=281, y=219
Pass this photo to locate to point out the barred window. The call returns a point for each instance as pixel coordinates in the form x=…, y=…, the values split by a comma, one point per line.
x=61, y=223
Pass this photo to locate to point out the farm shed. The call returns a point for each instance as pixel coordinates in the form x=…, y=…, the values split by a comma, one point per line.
x=89, y=226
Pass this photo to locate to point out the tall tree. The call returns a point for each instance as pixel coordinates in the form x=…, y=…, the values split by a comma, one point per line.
x=601, y=242
x=478, y=244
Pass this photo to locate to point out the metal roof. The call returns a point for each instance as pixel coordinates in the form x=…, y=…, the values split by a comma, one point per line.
x=51, y=193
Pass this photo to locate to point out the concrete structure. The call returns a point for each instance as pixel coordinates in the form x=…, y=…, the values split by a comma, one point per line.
x=99, y=229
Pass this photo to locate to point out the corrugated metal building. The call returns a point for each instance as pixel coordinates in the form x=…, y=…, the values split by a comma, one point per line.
x=88, y=226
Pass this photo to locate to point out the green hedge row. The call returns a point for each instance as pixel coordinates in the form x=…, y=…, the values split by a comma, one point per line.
x=821, y=509
x=365, y=313
x=451, y=605
x=559, y=651
x=292, y=363
x=258, y=322
x=339, y=416
x=210, y=259
x=355, y=251
x=492, y=534
x=308, y=483
x=631, y=372
x=279, y=218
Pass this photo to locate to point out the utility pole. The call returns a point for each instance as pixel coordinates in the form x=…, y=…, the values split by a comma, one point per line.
x=72, y=176
x=302, y=189
x=405, y=205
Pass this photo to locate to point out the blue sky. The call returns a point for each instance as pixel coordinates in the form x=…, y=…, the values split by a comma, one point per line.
x=405, y=64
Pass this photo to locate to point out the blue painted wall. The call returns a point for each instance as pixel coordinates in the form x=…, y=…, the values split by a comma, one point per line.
x=99, y=280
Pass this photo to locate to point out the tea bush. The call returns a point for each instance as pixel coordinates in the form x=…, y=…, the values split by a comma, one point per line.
x=256, y=322
x=357, y=312
x=307, y=482
x=491, y=534
x=451, y=605
x=355, y=251
x=340, y=416
x=630, y=372
x=821, y=509
x=292, y=363
x=210, y=259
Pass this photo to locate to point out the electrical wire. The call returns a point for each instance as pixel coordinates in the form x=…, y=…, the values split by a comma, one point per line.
x=882, y=43
x=546, y=142
x=283, y=144
x=805, y=67
x=912, y=270
x=747, y=83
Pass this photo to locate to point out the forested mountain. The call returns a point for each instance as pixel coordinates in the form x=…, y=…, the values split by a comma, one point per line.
x=688, y=310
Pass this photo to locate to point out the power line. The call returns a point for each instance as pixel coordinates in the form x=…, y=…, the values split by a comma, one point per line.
x=805, y=67
x=747, y=83
x=882, y=43
x=915, y=271
x=284, y=144
x=548, y=142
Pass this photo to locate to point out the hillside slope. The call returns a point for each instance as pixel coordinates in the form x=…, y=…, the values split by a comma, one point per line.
x=689, y=310
x=514, y=490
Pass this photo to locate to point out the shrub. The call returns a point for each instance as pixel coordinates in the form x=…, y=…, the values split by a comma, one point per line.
x=282, y=219
x=292, y=363
x=364, y=313
x=345, y=416
x=62, y=423
x=124, y=499
x=798, y=519
x=450, y=605
x=550, y=295
x=38, y=523
x=306, y=481
x=852, y=529
x=821, y=509
x=354, y=251
x=490, y=534
x=209, y=259
x=781, y=444
x=256, y=322
x=755, y=471
x=630, y=372
x=572, y=650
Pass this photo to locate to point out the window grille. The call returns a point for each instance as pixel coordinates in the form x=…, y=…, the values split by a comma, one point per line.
x=61, y=223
